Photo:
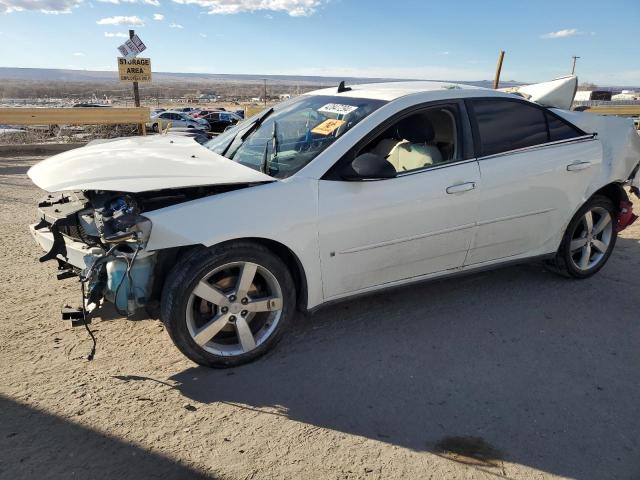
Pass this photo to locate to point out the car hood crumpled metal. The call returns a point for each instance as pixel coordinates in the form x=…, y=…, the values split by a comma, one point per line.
x=139, y=164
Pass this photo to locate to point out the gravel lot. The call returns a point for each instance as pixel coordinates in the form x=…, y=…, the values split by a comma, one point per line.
x=514, y=373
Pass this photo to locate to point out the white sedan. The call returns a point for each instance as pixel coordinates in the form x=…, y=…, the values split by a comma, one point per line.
x=176, y=119
x=335, y=193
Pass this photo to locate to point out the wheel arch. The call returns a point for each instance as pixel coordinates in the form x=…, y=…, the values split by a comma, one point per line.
x=293, y=263
x=289, y=258
x=614, y=191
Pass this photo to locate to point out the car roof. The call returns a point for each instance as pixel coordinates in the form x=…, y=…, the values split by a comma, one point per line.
x=393, y=90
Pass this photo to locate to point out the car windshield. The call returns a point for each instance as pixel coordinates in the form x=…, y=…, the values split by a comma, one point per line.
x=292, y=133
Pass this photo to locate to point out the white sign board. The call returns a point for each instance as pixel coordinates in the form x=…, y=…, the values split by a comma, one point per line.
x=132, y=47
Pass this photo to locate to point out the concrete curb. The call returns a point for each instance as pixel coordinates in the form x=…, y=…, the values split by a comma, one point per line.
x=43, y=149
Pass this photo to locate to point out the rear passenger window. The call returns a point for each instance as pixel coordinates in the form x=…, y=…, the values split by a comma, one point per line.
x=559, y=130
x=505, y=125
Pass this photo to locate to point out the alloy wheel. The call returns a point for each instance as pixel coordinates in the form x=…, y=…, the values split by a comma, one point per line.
x=234, y=308
x=591, y=239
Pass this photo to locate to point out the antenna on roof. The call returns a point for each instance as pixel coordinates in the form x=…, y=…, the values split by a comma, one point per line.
x=342, y=88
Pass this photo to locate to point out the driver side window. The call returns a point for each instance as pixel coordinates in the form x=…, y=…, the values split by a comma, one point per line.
x=421, y=140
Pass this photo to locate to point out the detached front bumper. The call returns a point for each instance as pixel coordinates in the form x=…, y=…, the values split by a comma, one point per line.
x=76, y=254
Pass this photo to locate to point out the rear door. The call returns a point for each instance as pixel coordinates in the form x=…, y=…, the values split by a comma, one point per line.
x=535, y=170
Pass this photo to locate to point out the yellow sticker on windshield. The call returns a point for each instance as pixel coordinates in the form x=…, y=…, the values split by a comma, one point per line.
x=328, y=126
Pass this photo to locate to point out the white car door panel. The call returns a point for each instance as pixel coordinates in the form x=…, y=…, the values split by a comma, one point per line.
x=528, y=197
x=376, y=232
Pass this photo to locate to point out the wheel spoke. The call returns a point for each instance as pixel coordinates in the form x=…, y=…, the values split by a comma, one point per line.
x=270, y=304
x=210, y=293
x=211, y=329
x=244, y=335
x=602, y=224
x=578, y=243
x=586, y=256
x=600, y=246
x=588, y=219
x=245, y=279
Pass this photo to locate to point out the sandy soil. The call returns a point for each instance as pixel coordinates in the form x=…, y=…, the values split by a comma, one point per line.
x=514, y=373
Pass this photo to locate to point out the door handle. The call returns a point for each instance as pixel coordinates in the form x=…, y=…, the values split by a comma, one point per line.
x=576, y=167
x=461, y=187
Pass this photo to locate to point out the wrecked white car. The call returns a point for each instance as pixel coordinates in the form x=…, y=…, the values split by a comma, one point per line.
x=332, y=194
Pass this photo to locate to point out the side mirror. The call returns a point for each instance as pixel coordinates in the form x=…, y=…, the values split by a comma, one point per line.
x=368, y=166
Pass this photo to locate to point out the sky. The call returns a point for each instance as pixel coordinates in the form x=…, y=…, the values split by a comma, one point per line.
x=423, y=39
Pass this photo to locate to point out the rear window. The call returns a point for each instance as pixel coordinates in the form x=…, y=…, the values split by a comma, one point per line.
x=560, y=130
x=505, y=125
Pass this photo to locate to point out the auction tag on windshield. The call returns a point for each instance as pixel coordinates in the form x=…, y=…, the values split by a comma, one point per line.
x=337, y=108
x=328, y=126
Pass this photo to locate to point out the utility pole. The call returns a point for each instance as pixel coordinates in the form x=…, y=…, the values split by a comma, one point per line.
x=264, y=93
x=496, y=80
x=136, y=91
x=573, y=68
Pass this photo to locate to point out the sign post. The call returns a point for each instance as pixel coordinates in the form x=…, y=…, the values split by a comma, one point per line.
x=136, y=91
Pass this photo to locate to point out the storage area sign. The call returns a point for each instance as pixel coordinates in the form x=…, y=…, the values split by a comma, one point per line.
x=134, y=69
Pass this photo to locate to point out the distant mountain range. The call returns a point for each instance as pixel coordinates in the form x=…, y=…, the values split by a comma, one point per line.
x=95, y=76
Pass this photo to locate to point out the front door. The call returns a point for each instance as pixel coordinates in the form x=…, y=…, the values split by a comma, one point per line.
x=373, y=233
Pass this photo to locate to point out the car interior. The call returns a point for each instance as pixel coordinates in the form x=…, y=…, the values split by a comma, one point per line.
x=418, y=141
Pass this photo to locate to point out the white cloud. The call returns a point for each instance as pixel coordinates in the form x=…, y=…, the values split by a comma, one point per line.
x=43, y=6
x=295, y=8
x=565, y=33
x=155, y=3
x=203, y=35
x=115, y=35
x=121, y=20
x=78, y=54
x=444, y=53
x=158, y=16
x=175, y=25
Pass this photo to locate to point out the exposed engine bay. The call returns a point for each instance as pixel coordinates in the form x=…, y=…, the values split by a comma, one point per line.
x=100, y=236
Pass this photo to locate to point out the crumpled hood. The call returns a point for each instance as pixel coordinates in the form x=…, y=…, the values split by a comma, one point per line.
x=139, y=164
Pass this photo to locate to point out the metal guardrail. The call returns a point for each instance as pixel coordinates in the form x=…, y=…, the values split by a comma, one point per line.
x=75, y=116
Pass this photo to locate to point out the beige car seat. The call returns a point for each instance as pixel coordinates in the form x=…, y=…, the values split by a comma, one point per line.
x=411, y=149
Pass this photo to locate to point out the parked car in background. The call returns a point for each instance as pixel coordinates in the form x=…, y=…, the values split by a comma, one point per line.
x=178, y=120
x=203, y=112
x=336, y=193
x=157, y=111
x=187, y=110
x=220, y=121
x=91, y=105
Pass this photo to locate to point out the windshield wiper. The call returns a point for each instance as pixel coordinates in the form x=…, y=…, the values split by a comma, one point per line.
x=252, y=128
x=266, y=159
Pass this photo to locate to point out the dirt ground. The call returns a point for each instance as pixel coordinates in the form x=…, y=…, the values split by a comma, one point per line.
x=514, y=373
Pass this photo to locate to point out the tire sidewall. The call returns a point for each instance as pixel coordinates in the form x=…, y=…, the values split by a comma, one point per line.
x=189, y=272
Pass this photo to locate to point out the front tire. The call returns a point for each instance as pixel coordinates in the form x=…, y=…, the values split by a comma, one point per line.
x=228, y=305
x=588, y=240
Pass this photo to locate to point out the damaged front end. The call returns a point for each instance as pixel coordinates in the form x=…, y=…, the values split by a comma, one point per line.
x=100, y=237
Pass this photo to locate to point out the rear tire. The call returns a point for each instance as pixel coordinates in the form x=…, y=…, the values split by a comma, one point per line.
x=250, y=301
x=588, y=241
